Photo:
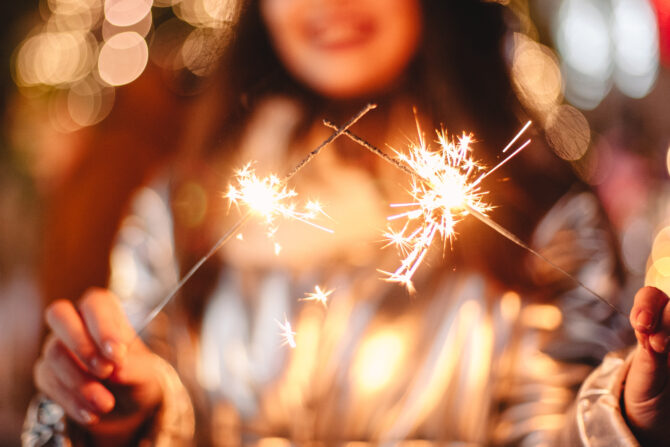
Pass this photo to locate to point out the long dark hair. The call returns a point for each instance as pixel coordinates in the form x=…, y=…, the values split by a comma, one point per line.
x=459, y=78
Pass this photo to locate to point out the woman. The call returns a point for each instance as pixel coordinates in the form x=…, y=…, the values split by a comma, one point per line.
x=479, y=356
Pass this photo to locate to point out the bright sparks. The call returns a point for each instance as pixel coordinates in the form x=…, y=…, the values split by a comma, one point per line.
x=319, y=295
x=287, y=333
x=445, y=188
x=271, y=198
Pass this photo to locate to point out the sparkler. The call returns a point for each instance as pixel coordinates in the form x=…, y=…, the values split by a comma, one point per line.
x=445, y=189
x=269, y=197
x=319, y=295
x=264, y=196
x=287, y=332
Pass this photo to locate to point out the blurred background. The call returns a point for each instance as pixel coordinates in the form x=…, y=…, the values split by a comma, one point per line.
x=84, y=79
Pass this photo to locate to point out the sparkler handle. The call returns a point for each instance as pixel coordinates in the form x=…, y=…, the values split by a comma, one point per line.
x=375, y=150
x=330, y=139
x=512, y=237
x=220, y=243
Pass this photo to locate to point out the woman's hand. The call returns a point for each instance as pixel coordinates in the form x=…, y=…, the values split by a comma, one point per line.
x=647, y=388
x=93, y=365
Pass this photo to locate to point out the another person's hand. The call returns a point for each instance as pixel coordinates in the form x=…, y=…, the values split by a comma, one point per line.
x=647, y=387
x=95, y=367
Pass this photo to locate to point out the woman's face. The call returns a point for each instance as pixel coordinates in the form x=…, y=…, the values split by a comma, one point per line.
x=344, y=48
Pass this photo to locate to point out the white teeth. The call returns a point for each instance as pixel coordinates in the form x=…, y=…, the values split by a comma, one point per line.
x=338, y=34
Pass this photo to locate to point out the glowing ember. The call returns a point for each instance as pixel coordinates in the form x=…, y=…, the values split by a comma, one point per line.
x=270, y=198
x=445, y=189
x=319, y=295
x=287, y=333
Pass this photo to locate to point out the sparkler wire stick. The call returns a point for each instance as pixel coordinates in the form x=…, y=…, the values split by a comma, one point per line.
x=480, y=216
x=243, y=220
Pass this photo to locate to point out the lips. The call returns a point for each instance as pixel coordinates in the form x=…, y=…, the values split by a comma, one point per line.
x=339, y=32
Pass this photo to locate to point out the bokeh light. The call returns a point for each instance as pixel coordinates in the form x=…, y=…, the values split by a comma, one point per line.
x=126, y=12
x=604, y=43
x=658, y=264
x=378, y=359
x=81, y=43
x=582, y=37
x=536, y=74
x=123, y=58
x=636, y=47
x=568, y=132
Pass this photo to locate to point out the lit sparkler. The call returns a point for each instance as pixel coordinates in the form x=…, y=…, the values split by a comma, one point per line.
x=287, y=333
x=270, y=198
x=445, y=189
x=319, y=295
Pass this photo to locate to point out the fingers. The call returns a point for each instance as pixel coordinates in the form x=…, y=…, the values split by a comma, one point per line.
x=107, y=324
x=58, y=375
x=69, y=328
x=646, y=312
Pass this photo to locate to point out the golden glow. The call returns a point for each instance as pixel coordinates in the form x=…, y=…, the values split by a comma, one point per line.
x=662, y=266
x=658, y=264
x=273, y=442
x=123, y=58
x=667, y=160
x=378, y=359
x=445, y=188
x=510, y=304
x=541, y=316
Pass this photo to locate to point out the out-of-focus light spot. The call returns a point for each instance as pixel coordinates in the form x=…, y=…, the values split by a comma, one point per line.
x=661, y=245
x=142, y=27
x=81, y=21
x=124, y=271
x=89, y=102
x=126, y=12
x=123, y=58
x=667, y=160
x=202, y=49
x=658, y=265
x=536, y=74
x=541, y=316
x=583, y=40
x=378, y=359
x=273, y=442
x=636, y=51
x=206, y=13
x=54, y=58
x=221, y=11
x=635, y=244
x=510, y=304
x=71, y=7
x=568, y=132
x=662, y=266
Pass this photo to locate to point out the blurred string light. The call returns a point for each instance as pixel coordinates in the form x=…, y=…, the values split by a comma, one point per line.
x=83, y=49
x=605, y=42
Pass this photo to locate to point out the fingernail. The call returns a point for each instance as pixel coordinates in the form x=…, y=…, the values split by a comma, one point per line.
x=86, y=417
x=115, y=351
x=645, y=320
x=101, y=368
x=104, y=404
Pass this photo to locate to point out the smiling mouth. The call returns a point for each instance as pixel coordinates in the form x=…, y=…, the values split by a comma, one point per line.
x=340, y=33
